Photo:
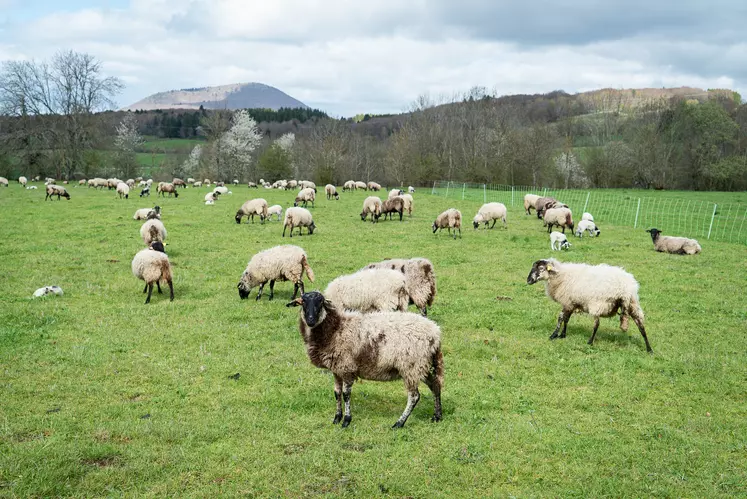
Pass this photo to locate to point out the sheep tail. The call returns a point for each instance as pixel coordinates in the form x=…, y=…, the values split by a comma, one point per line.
x=305, y=264
x=568, y=220
x=437, y=367
x=264, y=211
x=154, y=233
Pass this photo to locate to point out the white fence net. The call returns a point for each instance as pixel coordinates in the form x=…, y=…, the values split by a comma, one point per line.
x=675, y=216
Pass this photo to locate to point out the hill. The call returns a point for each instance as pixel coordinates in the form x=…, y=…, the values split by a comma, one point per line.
x=233, y=96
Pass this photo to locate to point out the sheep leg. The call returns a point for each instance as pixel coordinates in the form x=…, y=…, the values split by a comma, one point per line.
x=259, y=293
x=400, y=215
x=284, y=227
x=594, y=331
x=145, y=289
x=150, y=292
x=158, y=283
x=272, y=289
x=295, y=290
x=565, y=324
x=171, y=289
x=561, y=319
x=338, y=400
x=413, y=396
x=435, y=381
x=638, y=318
x=347, y=388
x=494, y=221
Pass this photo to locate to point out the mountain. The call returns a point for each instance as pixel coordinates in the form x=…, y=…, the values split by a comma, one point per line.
x=234, y=96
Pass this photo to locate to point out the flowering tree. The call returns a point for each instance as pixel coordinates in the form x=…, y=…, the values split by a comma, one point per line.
x=237, y=145
x=126, y=140
x=192, y=163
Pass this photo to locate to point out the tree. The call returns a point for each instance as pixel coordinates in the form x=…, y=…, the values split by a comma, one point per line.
x=239, y=142
x=126, y=140
x=191, y=165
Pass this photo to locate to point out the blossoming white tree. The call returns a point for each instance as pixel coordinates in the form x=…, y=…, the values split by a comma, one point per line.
x=126, y=140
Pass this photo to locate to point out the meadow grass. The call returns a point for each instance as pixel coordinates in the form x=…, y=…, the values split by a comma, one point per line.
x=103, y=395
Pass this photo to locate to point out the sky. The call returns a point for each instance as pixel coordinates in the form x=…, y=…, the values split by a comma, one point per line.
x=349, y=56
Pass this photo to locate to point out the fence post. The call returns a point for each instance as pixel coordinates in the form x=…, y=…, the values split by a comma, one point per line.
x=544, y=193
x=512, y=195
x=484, y=194
x=448, y=184
x=433, y=191
x=587, y=200
x=712, y=217
x=463, y=187
x=635, y=225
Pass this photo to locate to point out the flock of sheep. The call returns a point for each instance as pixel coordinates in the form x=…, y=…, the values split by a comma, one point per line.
x=359, y=326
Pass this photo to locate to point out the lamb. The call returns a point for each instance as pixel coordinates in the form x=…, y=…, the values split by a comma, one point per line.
x=420, y=279
x=369, y=290
x=22, y=180
x=280, y=263
x=671, y=244
x=452, y=219
x=560, y=240
x=304, y=196
x=252, y=207
x=411, y=189
x=371, y=205
x=530, y=201
x=152, y=266
x=197, y=184
x=221, y=189
x=144, y=213
x=56, y=190
x=407, y=198
x=212, y=196
x=331, y=191
x=275, y=209
x=123, y=190
x=48, y=290
x=373, y=186
x=488, y=212
x=31, y=187
x=4, y=181
x=145, y=191
x=235, y=181
x=587, y=216
x=348, y=186
x=395, y=192
x=392, y=206
x=298, y=217
x=382, y=346
x=153, y=230
x=541, y=205
x=562, y=217
x=164, y=187
x=587, y=225
x=361, y=185
x=252, y=185
x=82, y=182
x=598, y=290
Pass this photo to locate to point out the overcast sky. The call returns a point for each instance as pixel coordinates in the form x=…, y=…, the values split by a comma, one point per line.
x=354, y=56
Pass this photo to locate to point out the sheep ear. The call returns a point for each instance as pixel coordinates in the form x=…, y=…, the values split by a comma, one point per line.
x=295, y=303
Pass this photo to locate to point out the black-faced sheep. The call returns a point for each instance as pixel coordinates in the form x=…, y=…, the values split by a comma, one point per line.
x=451, y=219
x=361, y=185
x=671, y=244
x=22, y=180
x=369, y=290
x=488, y=212
x=304, y=196
x=123, y=190
x=420, y=279
x=298, y=217
x=152, y=266
x=371, y=205
x=598, y=290
x=331, y=191
x=348, y=186
x=411, y=189
x=395, y=192
x=373, y=186
x=542, y=204
x=56, y=190
x=250, y=208
x=559, y=241
x=382, y=346
x=280, y=263
x=145, y=213
x=587, y=226
x=407, y=198
x=4, y=181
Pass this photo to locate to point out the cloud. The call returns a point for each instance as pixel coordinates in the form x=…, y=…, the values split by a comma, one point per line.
x=348, y=57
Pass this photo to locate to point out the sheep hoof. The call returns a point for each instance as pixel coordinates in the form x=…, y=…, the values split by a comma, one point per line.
x=346, y=421
x=398, y=425
x=554, y=336
x=435, y=419
x=338, y=418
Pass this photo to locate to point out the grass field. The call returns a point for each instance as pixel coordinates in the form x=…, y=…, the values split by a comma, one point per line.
x=104, y=396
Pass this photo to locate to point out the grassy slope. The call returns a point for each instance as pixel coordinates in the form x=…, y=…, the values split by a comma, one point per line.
x=102, y=395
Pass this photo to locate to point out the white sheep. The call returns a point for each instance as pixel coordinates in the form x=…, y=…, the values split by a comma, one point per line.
x=197, y=184
x=381, y=346
x=292, y=184
x=588, y=226
x=4, y=181
x=221, y=189
x=395, y=192
x=530, y=201
x=488, y=212
x=671, y=244
x=275, y=209
x=349, y=186
x=598, y=290
x=411, y=189
x=407, y=198
x=371, y=205
x=145, y=213
x=369, y=290
x=152, y=266
x=153, y=230
x=56, y=190
x=123, y=190
x=331, y=191
x=211, y=197
x=562, y=217
x=307, y=184
x=451, y=219
x=252, y=207
x=280, y=263
x=361, y=185
x=420, y=279
x=22, y=180
x=31, y=187
x=304, y=196
x=587, y=216
x=48, y=290
x=298, y=217
x=560, y=240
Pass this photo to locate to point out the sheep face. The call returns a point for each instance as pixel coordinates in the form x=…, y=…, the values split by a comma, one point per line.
x=238, y=217
x=434, y=227
x=246, y=283
x=312, y=228
x=540, y=271
x=314, y=307
x=654, y=233
x=363, y=215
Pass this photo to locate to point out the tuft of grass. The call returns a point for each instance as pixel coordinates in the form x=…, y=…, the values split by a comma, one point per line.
x=212, y=395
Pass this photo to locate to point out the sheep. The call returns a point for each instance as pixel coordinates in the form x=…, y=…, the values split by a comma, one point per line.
x=22, y=180
x=235, y=181
x=307, y=184
x=373, y=186
x=197, y=184
x=48, y=290
x=530, y=201
x=371, y=205
x=304, y=196
x=587, y=225
x=130, y=183
x=57, y=190
x=31, y=187
x=279, y=263
x=382, y=346
x=179, y=183
x=292, y=184
x=488, y=212
x=221, y=189
x=562, y=217
x=123, y=190
x=392, y=206
x=275, y=209
x=349, y=186
x=587, y=216
x=452, y=219
x=4, y=181
x=111, y=183
x=206, y=182
x=252, y=185
x=541, y=205
x=212, y=196
x=145, y=192
x=420, y=279
x=149, y=182
x=153, y=230
x=97, y=182
x=361, y=185
x=298, y=217
x=190, y=180
x=252, y=207
x=81, y=182
x=369, y=290
x=143, y=213
x=671, y=244
x=411, y=189
x=395, y=192
x=331, y=191
x=560, y=240
x=152, y=266
x=407, y=198
x=599, y=290
x=164, y=187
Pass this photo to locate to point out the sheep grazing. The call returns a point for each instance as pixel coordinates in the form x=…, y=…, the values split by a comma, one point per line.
x=598, y=290
x=81, y=182
x=369, y=290
x=304, y=196
x=145, y=213
x=97, y=183
x=391, y=206
x=164, y=187
x=252, y=185
x=542, y=204
x=371, y=205
x=560, y=240
x=671, y=244
x=130, y=183
x=348, y=186
x=206, y=182
x=190, y=180
x=179, y=183
x=280, y=263
x=587, y=216
x=307, y=184
x=292, y=184
x=56, y=190
x=451, y=219
x=197, y=184
x=488, y=212
x=31, y=187
x=373, y=186
x=588, y=226
x=395, y=192
x=407, y=198
x=153, y=230
x=562, y=217
x=530, y=201
x=275, y=209
x=123, y=190
x=331, y=191
x=382, y=346
x=361, y=185
x=411, y=189
x=221, y=189
x=152, y=266
x=4, y=181
x=298, y=217
x=252, y=207
x=420, y=279
x=235, y=181
x=22, y=180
